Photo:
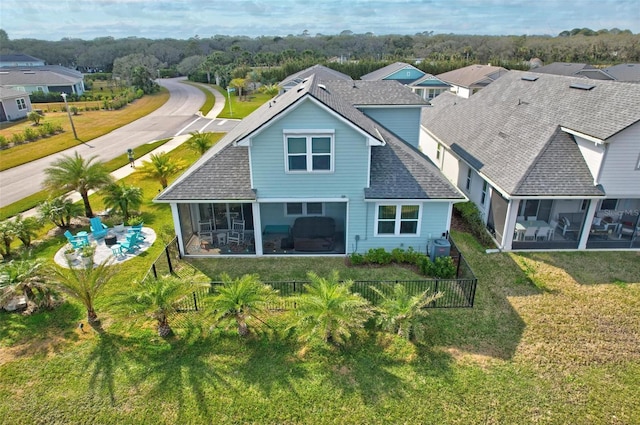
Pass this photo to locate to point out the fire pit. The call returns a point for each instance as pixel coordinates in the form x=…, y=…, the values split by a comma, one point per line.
x=110, y=239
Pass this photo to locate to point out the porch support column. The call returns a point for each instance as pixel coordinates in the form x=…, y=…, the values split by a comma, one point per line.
x=586, y=226
x=510, y=224
x=257, y=228
x=176, y=226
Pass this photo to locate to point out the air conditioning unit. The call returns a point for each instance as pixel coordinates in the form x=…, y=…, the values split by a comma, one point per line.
x=439, y=248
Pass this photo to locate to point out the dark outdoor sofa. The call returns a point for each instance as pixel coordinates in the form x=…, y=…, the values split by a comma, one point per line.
x=314, y=234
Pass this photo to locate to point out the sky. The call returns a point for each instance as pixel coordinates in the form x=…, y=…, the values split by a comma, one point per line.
x=182, y=19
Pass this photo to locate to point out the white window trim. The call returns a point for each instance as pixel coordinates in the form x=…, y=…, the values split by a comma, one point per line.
x=398, y=220
x=309, y=135
x=304, y=209
x=22, y=105
x=485, y=190
x=638, y=163
x=469, y=179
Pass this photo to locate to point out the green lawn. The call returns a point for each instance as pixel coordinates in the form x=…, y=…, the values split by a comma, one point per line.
x=241, y=108
x=89, y=125
x=553, y=339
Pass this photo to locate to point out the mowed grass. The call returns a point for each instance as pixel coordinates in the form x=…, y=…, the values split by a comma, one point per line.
x=553, y=338
x=241, y=108
x=89, y=125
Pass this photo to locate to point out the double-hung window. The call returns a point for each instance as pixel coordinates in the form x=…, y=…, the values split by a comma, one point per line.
x=21, y=104
x=468, y=185
x=397, y=220
x=483, y=198
x=309, y=153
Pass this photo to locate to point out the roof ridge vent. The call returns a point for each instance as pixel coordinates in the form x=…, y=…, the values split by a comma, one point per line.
x=582, y=86
x=323, y=87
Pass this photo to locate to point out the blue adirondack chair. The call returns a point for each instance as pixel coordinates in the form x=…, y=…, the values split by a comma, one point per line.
x=98, y=229
x=131, y=243
x=76, y=241
x=136, y=229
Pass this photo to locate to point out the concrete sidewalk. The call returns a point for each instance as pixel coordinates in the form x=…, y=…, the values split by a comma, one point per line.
x=176, y=141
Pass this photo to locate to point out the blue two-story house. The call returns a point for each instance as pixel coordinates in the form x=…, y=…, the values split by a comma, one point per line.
x=327, y=168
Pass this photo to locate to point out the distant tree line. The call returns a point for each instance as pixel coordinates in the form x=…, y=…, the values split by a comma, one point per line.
x=221, y=58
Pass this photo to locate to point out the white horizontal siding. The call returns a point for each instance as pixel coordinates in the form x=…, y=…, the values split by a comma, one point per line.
x=619, y=174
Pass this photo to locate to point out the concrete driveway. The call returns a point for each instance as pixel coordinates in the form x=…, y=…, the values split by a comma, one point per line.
x=180, y=115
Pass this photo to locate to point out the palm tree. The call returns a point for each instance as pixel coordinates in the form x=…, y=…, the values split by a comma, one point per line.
x=26, y=228
x=161, y=167
x=199, y=142
x=59, y=211
x=76, y=173
x=27, y=277
x=328, y=310
x=404, y=314
x=7, y=236
x=158, y=298
x=122, y=197
x=85, y=283
x=238, y=299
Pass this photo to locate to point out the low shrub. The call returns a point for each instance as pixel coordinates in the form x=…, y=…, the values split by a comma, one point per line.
x=4, y=143
x=470, y=214
x=442, y=268
x=30, y=134
x=17, y=138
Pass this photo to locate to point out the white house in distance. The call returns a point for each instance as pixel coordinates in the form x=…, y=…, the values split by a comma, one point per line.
x=552, y=162
x=14, y=104
x=469, y=80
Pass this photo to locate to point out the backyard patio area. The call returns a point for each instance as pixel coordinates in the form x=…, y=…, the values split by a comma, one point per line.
x=110, y=245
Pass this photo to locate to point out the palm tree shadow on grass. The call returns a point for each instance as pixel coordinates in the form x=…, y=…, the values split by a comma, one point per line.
x=181, y=369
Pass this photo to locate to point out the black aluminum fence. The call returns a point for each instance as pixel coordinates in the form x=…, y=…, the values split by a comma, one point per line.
x=167, y=263
x=458, y=292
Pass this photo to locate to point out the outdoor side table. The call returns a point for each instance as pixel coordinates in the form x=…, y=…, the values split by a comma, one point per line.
x=110, y=239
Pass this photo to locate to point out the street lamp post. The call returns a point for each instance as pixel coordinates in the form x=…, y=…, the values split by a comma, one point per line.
x=66, y=105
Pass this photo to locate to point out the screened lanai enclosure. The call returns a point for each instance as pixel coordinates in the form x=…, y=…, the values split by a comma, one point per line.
x=277, y=228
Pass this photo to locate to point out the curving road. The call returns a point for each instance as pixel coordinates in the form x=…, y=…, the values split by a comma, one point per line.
x=173, y=118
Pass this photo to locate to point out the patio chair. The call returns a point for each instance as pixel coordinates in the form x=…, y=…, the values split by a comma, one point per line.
x=98, y=228
x=236, y=234
x=76, y=241
x=137, y=230
x=628, y=228
x=205, y=230
x=131, y=244
x=530, y=232
x=543, y=233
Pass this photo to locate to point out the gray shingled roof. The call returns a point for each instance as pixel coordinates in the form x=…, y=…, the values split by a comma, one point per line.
x=374, y=93
x=47, y=75
x=563, y=68
x=625, y=72
x=397, y=170
x=473, y=75
x=7, y=93
x=18, y=57
x=321, y=72
x=428, y=80
x=382, y=73
x=505, y=130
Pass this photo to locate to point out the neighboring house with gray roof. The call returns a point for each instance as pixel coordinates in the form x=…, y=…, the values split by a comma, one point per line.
x=14, y=104
x=323, y=149
x=425, y=85
x=469, y=80
x=321, y=72
x=629, y=72
x=552, y=162
x=19, y=59
x=46, y=78
x=564, y=68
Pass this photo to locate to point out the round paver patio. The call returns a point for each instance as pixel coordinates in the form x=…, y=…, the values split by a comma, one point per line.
x=103, y=251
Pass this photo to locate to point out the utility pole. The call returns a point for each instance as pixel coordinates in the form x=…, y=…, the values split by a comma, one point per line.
x=66, y=105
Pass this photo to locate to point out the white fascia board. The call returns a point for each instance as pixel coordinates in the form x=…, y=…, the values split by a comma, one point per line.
x=582, y=135
x=206, y=201
x=297, y=200
x=558, y=197
x=412, y=200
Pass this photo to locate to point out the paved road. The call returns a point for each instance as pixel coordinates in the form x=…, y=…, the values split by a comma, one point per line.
x=178, y=116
